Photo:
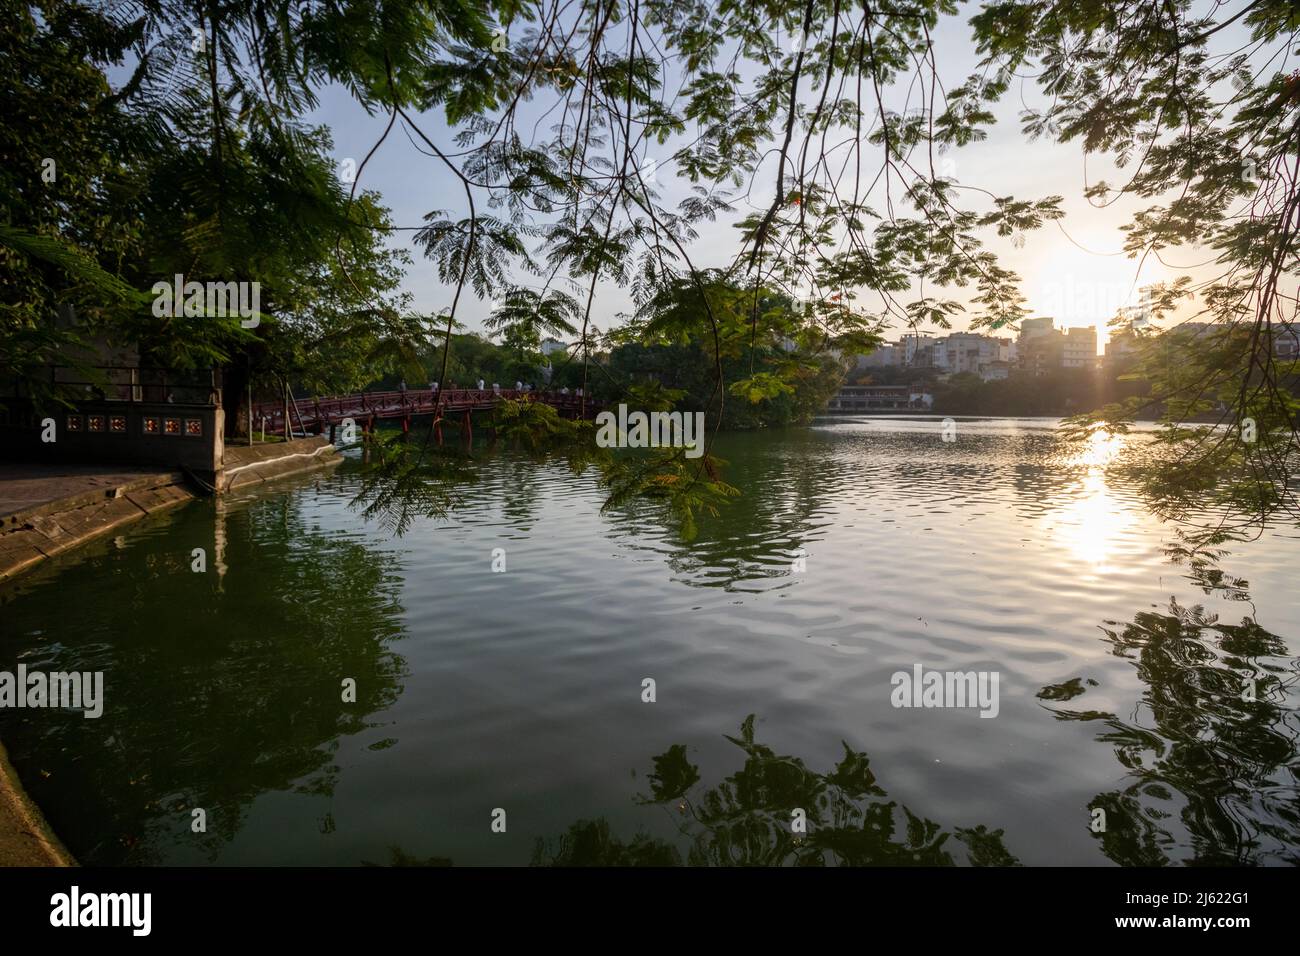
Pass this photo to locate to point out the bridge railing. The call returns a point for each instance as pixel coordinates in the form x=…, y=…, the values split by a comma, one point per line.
x=396, y=403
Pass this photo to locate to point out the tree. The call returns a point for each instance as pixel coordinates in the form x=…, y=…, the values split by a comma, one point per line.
x=60, y=183
x=742, y=96
x=161, y=179
x=780, y=105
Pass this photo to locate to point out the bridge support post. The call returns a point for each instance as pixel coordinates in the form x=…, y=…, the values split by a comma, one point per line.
x=468, y=427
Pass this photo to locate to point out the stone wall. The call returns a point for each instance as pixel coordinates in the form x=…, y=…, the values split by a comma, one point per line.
x=247, y=465
x=30, y=536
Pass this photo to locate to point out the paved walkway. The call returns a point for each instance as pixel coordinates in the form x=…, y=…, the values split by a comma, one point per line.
x=47, y=509
x=25, y=486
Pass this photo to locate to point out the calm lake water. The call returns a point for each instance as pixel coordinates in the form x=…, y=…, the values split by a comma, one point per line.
x=861, y=547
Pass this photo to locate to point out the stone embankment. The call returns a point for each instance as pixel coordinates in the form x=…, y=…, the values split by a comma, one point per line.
x=46, y=510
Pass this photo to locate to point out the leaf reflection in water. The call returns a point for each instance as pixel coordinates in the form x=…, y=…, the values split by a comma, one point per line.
x=1209, y=753
x=746, y=820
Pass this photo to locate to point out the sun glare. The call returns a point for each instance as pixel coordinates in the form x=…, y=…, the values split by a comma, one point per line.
x=1077, y=288
x=1093, y=519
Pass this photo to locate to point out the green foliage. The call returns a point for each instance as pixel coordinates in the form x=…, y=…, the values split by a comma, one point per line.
x=404, y=482
x=188, y=169
x=759, y=386
x=652, y=396
x=537, y=425
x=684, y=488
x=199, y=164
x=525, y=316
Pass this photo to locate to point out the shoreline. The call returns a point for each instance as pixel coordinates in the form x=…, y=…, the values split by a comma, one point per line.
x=54, y=526
x=74, y=506
x=26, y=838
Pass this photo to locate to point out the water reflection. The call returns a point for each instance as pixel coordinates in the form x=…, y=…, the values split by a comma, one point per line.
x=1091, y=521
x=1091, y=518
x=223, y=689
x=1209, y=753
x=747, y=819
x=219, y=688
x=404, y=482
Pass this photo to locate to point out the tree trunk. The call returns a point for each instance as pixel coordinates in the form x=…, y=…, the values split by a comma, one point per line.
x=234, y=397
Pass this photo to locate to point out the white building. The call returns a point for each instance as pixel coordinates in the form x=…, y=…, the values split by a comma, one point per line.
x=967, y=352
x=939, y=358
x=1286, y=343
x=1080, y=348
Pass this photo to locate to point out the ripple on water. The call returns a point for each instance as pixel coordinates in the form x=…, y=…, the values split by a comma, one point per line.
x=859, y=548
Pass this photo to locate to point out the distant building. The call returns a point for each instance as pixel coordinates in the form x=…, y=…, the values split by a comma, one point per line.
x=1122, y=345
x=966, y=352
x=1286, y=343
x=1033, y=328
x=887, y=356
x=914, y=344
x=1079, y=349
x=865, y=398
x=951, y=354
x=1197, y=330
x=996, y=371
x=1042, y=347
x=551, y=346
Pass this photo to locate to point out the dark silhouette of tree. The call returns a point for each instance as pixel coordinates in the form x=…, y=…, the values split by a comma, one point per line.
x=747, y=820
x=1209, y=755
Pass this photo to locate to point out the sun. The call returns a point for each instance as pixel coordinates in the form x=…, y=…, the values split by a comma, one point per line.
x=1074, y=287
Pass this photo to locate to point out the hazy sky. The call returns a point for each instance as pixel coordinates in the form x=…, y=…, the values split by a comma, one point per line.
x=1074, y=272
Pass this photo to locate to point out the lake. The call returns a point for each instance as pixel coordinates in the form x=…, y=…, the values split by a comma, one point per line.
x=517, y=700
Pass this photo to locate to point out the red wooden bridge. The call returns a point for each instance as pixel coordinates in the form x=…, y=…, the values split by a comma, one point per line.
x=314, y=416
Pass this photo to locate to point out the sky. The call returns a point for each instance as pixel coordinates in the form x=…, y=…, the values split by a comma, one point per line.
x=1074, y=271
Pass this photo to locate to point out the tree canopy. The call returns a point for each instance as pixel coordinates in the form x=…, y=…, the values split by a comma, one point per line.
x=817, y=127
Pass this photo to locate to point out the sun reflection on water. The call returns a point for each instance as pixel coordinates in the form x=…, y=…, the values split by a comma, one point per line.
x=1090, y=524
